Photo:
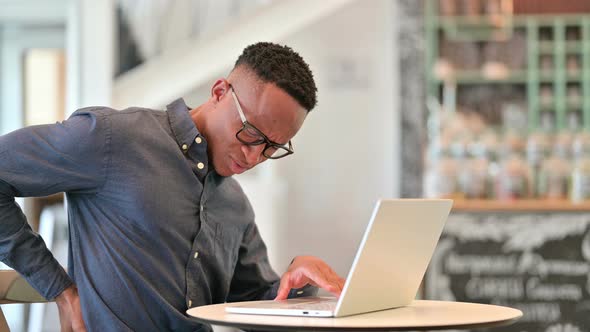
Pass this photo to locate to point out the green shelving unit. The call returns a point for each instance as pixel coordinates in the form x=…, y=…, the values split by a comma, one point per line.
x=557, y=56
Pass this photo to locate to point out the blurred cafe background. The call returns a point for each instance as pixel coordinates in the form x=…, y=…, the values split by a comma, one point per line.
x=486, y=102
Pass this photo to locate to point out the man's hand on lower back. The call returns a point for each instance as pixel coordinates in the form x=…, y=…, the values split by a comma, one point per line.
x=70, y=313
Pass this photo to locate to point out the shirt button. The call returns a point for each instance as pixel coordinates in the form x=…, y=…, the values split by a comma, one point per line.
x=196, y=254
x=190, y=303
x=200, y=165
x=184, y=147
x=198, y=140
x=202, y=207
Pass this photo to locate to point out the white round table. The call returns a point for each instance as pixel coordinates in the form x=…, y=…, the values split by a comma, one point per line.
x=420, y=315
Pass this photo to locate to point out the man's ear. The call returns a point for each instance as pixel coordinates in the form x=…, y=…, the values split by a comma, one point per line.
x=219, y=89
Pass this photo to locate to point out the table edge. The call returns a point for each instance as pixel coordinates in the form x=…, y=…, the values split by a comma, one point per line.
x=268, y=327
x=271, y=327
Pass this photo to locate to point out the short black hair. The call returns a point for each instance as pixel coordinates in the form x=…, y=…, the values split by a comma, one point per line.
x=277, y=64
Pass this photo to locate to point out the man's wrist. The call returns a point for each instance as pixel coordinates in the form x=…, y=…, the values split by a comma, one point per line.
x=66, y=295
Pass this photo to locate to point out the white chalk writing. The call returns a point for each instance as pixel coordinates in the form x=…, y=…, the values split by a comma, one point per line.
x=478, y=264
x=550, y=292
x=494, y=288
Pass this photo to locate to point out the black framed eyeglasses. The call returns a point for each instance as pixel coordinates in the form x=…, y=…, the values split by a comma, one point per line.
x=250, y=135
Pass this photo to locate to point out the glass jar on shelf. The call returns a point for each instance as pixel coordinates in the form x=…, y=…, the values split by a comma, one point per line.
x=580, y=174
x=514, y=175
x=563, y=145
x=490, y=139
x=493, y=7
x=572, y=33
x=513, y=142
x=441, y=178
x=460, y=145
x=581, y=145
x=447, y=7
x=573, y=120
x=471, y=8
x=546, y=63
x=546, y=95
x=573, y=65
x=580, y=181
x=474, y=178
x=514, y=178
x=545, y=34
x=537, y=150
x=554, y=177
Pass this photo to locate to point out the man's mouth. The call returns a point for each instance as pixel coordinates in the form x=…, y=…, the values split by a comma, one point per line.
x=236, y=167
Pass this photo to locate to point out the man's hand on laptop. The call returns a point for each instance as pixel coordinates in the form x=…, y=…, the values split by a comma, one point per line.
x=309, y=270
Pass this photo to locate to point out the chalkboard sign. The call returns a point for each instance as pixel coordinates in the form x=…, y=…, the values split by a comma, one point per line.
x=538, y=263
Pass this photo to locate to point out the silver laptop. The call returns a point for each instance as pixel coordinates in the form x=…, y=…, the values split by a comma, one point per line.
x=387, y=270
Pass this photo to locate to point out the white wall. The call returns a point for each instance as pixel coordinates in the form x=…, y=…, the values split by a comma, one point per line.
x=347, y=153
x=90, y=53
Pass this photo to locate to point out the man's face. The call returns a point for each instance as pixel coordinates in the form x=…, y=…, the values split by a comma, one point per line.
x=270, y=109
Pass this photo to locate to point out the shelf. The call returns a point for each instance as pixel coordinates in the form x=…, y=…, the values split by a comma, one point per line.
x=568, y=106
x=574, y=77
x=477, y=77
x=520, y=21
x=549, y=77
x=574, y=106
x=515, y=77
x=554, y=47
x=547, y=47
x=531, y=205
x=495, y=21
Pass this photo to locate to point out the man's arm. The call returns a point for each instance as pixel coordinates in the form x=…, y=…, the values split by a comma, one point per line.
x=254, y=278
x=68, y=156
x=25, y=251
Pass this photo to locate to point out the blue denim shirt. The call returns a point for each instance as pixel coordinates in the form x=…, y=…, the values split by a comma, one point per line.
x=154, y=230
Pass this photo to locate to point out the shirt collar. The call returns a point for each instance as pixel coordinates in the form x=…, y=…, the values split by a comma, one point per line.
x=183, y=127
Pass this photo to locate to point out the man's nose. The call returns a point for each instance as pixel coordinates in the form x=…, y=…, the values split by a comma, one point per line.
x=253, y=153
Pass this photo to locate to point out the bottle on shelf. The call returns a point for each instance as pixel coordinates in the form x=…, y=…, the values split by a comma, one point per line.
x=546, y=63
x=537, y=150
x=490, y=139
x=546, y=95
x=573, y=65
x=441, y=175
x=474, y=177
x=580, y=174
x=556, y=170
x=514, y=176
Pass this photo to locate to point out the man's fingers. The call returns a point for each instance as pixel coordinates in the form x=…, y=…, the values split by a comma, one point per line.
x=284, y=287
x=327, y=279
x=70, y=313
x=338, y=283
x=323, y=279
x=306, y=270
